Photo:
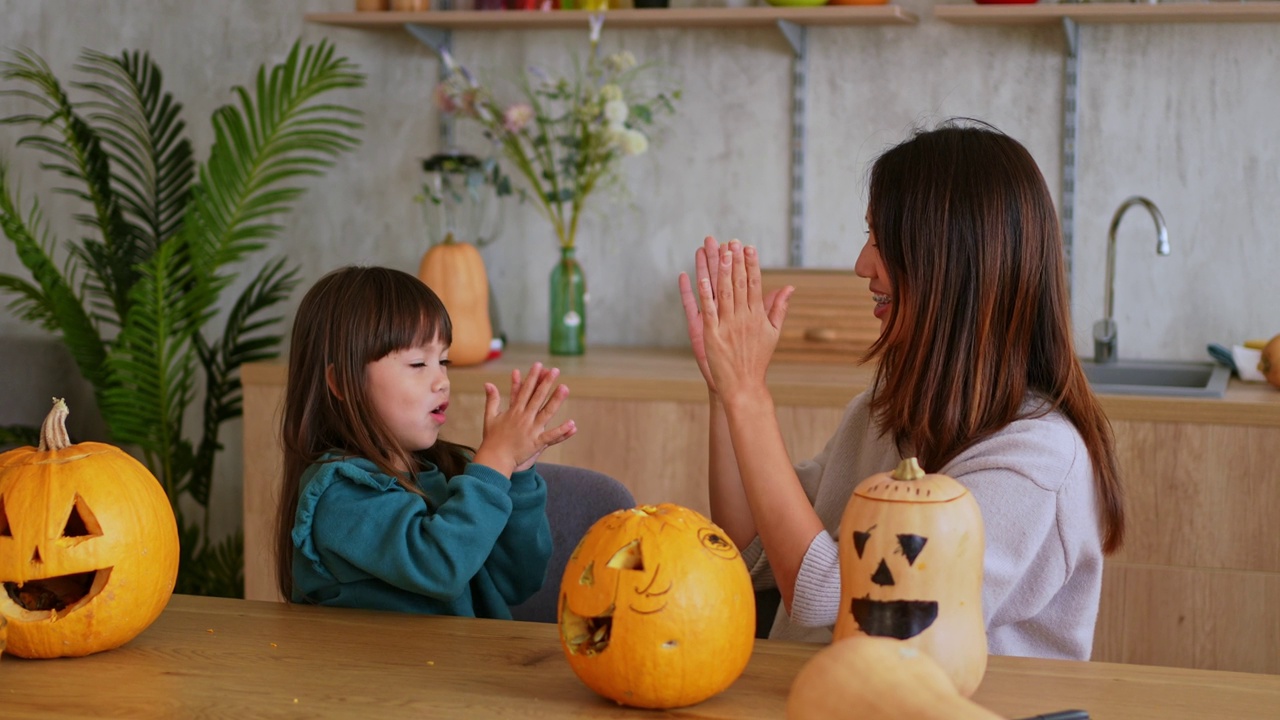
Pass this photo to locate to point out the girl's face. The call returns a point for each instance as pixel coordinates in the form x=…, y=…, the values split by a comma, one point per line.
x=871, y=266
x=410, y=391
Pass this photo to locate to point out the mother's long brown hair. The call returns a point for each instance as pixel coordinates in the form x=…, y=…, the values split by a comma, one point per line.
x=348, y=319
x=967, y=231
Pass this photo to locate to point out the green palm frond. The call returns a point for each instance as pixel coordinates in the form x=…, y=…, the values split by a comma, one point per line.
x=279, y=136
x=78, y=154
x=50, y=300
x=153, y=360
x=141, y=128
x=243, y=340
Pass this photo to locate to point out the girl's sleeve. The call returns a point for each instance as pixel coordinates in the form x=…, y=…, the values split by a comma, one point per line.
x=392, y=535
x=518, y=564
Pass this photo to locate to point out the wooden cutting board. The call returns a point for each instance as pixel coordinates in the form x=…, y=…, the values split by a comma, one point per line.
x=830, y=318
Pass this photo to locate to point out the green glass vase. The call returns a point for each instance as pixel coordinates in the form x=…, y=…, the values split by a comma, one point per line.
x=568, y=306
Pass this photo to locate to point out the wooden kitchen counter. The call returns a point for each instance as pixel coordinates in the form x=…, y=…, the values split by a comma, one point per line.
x=1196, y=585
x=670, y=374
x=214, y=657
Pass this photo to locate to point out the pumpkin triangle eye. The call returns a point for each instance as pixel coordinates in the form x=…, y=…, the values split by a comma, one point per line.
x=4, y=521
x=860, y=541
x=911, y=546
x=81, y=522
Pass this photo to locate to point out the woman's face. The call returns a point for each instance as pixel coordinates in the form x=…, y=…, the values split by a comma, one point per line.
x=871, y=266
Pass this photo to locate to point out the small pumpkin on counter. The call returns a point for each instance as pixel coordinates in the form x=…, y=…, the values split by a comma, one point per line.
x=88, y=545
x=911, y=547
x=454, y=270
x=656, y=608
x=877, y=678
x=1269, y=362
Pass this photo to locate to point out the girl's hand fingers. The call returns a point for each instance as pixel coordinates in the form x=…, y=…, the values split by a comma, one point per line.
x=515, y=383
x=546, y=384
x=527, y=387
x=491, y=401
x=553, y=405
x=558, y=434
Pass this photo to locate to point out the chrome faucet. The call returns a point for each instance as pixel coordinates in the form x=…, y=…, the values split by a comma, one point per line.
x=1104, y=331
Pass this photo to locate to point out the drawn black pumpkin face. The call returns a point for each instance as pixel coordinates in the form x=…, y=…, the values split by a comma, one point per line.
x=900, y=617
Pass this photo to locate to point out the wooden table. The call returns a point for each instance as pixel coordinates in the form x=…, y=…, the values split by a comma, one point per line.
x=209, y=657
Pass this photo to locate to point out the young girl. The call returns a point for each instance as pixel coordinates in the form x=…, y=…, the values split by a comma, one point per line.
x=977, y=378
x=378, y=512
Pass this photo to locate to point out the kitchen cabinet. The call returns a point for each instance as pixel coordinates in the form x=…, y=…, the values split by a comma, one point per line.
x=1196, y=585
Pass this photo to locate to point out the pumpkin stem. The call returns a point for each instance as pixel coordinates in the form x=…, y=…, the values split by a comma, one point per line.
x=908, y=469
x=53, y=432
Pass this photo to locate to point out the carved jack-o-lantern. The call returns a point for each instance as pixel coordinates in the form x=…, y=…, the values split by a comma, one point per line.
x=656, y=608
x=911, y=550
x=88, y=545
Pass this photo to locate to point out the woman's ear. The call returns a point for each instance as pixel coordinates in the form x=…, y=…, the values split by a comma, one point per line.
x=330, y=380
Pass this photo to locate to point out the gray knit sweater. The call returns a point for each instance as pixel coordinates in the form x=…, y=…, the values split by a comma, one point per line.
x=1043, y=562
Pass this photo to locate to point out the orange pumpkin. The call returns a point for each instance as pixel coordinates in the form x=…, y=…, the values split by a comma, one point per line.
x=876, y=678
x=911, y=550
x=1269, y=362
x=88, y=545
x=455, y=271
x=656, y=608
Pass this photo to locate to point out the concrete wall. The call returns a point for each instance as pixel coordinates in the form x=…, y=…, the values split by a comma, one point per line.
x=1183, y=114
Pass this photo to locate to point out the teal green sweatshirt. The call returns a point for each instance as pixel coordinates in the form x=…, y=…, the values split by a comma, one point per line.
x=478, y=546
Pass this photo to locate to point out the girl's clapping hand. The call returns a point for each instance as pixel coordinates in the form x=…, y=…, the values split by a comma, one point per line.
x=515, y=437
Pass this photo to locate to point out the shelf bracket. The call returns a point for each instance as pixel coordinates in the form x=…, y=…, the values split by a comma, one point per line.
x=1070, y=118
x=440, y=41
x=797, y=36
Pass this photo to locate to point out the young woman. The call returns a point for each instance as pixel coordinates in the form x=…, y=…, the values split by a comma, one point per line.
x=378, y=512
x=977, y=377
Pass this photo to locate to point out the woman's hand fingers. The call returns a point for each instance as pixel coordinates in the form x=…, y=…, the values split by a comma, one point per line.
x=781, y=300
x=755, y=294
x=740, y=295
x=724, y=283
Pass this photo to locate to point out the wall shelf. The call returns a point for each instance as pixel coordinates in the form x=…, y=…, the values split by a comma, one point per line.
x=656, y=18
x=1103, y=13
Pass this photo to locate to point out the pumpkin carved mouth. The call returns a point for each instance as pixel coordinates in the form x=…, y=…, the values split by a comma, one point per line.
x=899, y=619
x=586, y=635
x=50, y=597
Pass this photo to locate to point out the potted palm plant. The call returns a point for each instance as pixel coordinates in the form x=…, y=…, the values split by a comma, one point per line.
x=139, y=300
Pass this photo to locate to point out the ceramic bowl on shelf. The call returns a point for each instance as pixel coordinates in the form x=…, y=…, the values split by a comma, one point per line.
x=796, y=3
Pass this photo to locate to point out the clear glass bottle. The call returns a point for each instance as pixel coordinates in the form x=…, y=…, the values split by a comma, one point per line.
x=568, y=306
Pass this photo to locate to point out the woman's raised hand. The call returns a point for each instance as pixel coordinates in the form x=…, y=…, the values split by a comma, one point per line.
x=515, y=437
x=704, y=261
x=738, y=327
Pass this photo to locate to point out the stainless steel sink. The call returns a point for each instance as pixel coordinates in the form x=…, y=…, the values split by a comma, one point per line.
x=1157, y=377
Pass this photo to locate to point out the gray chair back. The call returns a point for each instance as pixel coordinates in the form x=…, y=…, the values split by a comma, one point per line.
x=576, y=499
